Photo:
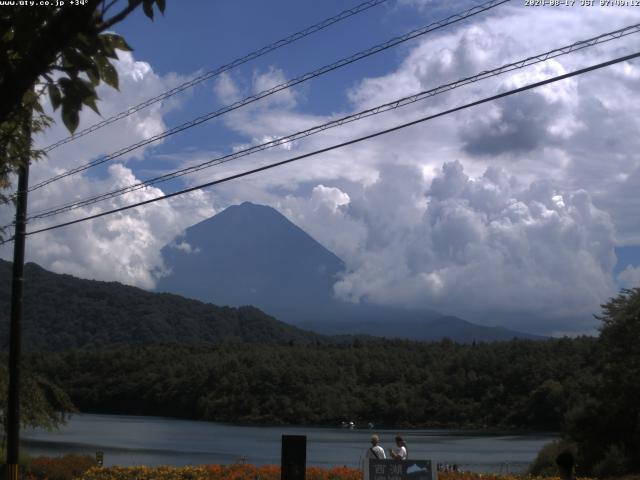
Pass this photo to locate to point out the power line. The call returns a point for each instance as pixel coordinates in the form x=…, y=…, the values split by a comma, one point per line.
x=219, y=70
x=288, y=84
x=341, y=145
x=606, y=37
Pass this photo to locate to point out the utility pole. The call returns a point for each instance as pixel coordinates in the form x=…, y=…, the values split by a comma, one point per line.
x=15, y=328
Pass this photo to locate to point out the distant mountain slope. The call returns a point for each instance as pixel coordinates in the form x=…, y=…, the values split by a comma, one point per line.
x=252, y=254
x=64, y=312
x=429, y=330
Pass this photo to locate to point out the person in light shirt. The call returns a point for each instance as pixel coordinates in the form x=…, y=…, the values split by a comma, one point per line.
x=375, y=451
x=399, y=453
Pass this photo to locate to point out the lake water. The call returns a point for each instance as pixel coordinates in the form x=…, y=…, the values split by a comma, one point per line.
x=152, y=441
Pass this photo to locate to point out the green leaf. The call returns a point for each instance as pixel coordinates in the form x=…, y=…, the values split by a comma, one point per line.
x=83, y=41
x=38, y=108
x=70, y=116
x=107, y=72
x=91, y=103
x=66, y=84
x=117, y=42
x=147, y=6
x=29, y=98
x=110, y=76
x=94, y=75
x=8, y=35
x=84, y=88
x=106, y=48
x=87, y=45
x=54, y=95
x=76, y=60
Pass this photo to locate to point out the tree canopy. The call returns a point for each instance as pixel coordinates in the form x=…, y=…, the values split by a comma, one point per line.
x=43, y=403
x=605, y=424
x=394, y=383
x=63, y=53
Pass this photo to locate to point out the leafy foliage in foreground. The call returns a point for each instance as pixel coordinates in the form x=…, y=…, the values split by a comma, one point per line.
x=396, y=383
x=61, y=54
x=605, y=423
x=269, y=472
x=545, y=462
x=66, y=467
x=43, y=403
x=215, y=472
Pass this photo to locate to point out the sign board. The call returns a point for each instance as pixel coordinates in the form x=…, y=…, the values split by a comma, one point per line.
x=400, y=470
x=294, y=457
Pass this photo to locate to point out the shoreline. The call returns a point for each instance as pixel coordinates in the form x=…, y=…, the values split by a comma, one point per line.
x=141, y=440
x=448, y=429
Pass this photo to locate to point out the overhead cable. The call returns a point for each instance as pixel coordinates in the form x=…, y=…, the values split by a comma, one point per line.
x=402, y=102
x=288, y=84
x=341, y=145
x=219, y=70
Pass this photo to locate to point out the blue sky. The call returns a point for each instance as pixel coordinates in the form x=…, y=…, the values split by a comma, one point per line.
x=527, y=208
x=220, y=32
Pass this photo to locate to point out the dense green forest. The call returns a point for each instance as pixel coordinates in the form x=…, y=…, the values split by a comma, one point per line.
x=523, y=384
x=63, y=312
x=117, y=349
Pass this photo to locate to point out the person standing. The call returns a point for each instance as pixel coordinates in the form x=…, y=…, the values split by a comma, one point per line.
x=399, y=453
x=376, y=450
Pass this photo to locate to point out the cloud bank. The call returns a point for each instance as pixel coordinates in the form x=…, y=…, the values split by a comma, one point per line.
x=507, y=213
x=123, y=247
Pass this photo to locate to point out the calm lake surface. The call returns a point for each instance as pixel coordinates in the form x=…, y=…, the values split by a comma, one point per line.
x=128, y=440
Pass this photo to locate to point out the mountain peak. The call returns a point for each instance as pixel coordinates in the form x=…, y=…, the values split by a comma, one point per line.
x=251, y=207
x=251, y=254
x=248, y=219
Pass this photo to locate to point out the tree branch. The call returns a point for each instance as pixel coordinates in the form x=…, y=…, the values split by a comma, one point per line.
x=53, y=37
x=119, y=16
x=106, y=8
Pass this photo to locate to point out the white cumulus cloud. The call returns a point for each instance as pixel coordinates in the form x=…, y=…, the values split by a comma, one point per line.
x=125, y=246
x=630, y=277
x=504, y=213
x=489, y=247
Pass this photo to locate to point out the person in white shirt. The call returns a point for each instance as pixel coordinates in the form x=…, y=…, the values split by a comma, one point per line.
x=399, y=453
x=376, y=451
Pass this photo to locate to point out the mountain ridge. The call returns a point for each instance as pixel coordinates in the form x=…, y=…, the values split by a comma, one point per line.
x=63, y=312
x=245, y=271
x=252, y=254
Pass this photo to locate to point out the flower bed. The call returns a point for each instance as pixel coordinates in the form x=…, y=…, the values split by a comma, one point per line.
x=215, y=472
x=72, y=467
x=66, y=467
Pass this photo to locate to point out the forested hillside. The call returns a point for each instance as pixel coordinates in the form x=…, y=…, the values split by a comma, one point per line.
x=63, y=312
x=395, y=383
